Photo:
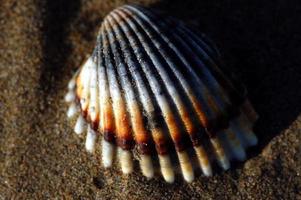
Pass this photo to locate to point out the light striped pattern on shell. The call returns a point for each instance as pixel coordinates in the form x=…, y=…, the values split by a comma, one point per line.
x=153, y=91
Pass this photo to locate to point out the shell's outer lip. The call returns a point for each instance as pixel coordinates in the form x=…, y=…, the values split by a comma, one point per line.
x=159, y=91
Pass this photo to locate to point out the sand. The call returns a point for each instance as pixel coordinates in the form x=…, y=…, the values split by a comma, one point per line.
x=43, y=42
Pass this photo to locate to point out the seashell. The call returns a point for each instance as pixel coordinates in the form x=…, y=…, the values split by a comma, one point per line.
x=153, y=91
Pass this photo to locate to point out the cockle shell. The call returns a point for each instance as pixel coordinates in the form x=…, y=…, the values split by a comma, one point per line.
x=153, y=91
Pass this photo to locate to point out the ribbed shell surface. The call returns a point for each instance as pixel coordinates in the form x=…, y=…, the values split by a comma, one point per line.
x=153, y=91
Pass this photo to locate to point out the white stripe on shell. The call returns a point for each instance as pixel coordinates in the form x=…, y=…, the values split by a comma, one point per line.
x=108, y=151
x=126, y=160
x=79, y=125
x=90, y=140
x=93, y=103
x=72, y=110
x=166, y=168
x=146, y=166
x=70, y=96
x=186, y=166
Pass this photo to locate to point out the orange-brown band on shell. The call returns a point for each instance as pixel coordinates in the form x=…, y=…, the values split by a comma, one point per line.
x=124, y=137
x=175, y=131
x=160, y=141
x=84, y=113
x=109, y=136
x=191, y=128
x=141, y=135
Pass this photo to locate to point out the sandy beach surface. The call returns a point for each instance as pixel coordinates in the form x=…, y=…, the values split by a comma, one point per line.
x=42, y=43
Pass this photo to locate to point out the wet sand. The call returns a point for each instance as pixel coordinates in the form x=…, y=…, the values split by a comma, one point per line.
x=42, y=44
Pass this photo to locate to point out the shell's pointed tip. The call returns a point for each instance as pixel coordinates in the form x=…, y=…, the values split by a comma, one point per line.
x=107, y=162
x=80, y=125
x=189, y=177
x=70, y=96
x=203, y=160
x=127, y=169
x=186, y=166
x=188, y=174
x=72, y=110
x=225, y=164
x=89, y=63
x=90, y=140
x=126, y=161
x=207, y=171
x=166, y=168
x=147, y=166
x=168, y=176
x=148, y=173
x=107, y=153
x=71, y=84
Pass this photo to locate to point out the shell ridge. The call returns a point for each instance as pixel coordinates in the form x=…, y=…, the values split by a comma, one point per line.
x=126, y=85
x=144, y=96
x=93, y=108
x=107, y=127
x=83, y=94
x=166, y=168
x=140, y=135
x=123, y=131
x=83, y=91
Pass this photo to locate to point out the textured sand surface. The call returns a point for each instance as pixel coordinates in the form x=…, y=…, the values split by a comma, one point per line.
x=43, y=42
